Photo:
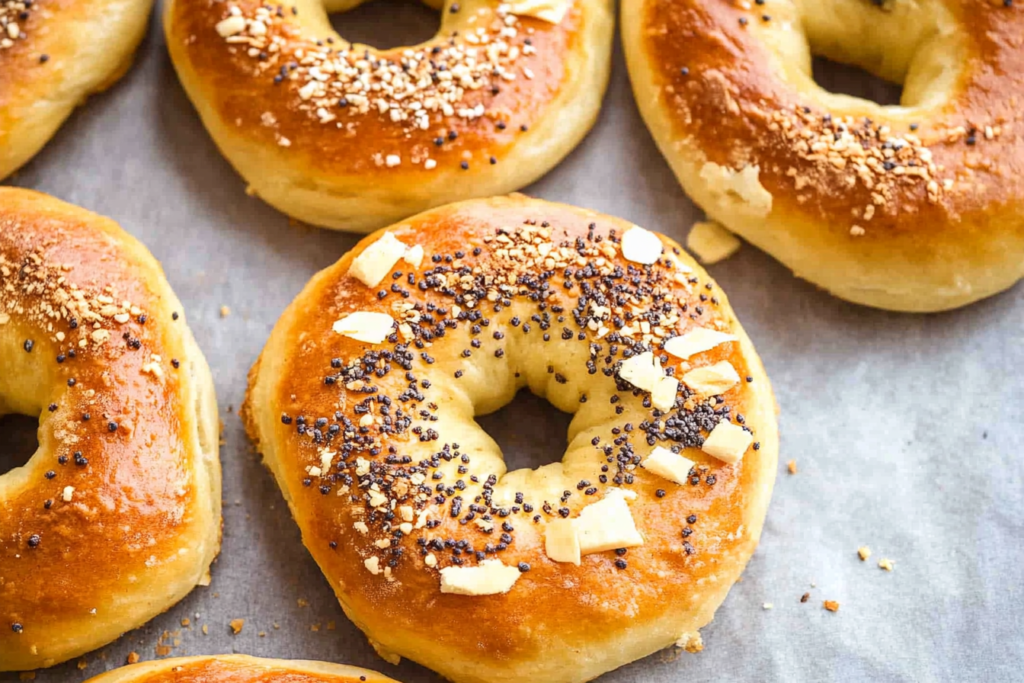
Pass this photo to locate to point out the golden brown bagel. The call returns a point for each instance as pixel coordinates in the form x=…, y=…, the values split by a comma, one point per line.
x=385, y=469
x=116, y=516
x=54, y=54
x=917, y=207
x=330, y=155
x=238, y=669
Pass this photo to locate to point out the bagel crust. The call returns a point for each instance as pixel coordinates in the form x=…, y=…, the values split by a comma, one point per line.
x=433, y=549
x=917, y=207
x=238, y=669
x=349, y=137
x=54, y=54
x=116, y=516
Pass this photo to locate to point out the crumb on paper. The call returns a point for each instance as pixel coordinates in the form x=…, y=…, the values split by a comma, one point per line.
x=225, y=311
x=791, y=466
x=767, y=605
x=885, y=564
x=832, y=605
x=805, y=597
x=206, y=630
x=236, y=626
x=82, y=664
x=691, y=642
x=863, y=553
x=711, y=242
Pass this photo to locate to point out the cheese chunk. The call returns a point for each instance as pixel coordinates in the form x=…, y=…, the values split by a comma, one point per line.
x=668, y=465
x=641, y=246
x=696, y=341
x=377, y=260
x=711, y=242
x=552, y=11
x=365, y=326
x=663, y=395
x=712, y=379
x=642, y=371
x=727, y=442
x=490, y=577
x=561, y=542
x=607, y=525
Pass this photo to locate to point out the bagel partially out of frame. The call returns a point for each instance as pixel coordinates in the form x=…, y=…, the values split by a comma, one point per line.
x=917, y=207
x=349, y=137
x=238, y=669
x=116, y=516
x=363, y=400
x=54, y=54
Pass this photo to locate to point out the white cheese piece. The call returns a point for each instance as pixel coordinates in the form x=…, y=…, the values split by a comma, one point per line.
x=711, y=242
x=373, y=565
x=642, y=371
x=414, y=257
x=365, y=326
x=406, y=512
x=712, y=380
x=552, y=11
x=561, y=542
x=490, y=577
x=68, y=494
x=668, y=465
x=376, y=261
x=696, y=341
x=607, y=525
x=663, y=395
x=641, y=246
x=727, y=442
x=361, y=528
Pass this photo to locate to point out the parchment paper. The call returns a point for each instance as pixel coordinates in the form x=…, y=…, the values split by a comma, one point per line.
x=906, y=429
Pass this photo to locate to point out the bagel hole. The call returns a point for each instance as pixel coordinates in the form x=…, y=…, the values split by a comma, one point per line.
x=387, y=25
x=530, y=431
x=846, y=79
x=18, y=441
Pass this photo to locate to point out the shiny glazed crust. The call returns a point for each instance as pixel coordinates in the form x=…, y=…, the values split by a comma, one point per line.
x=337, y=174
x=71, y=49
x=238, y=669
x=934, y=221
x=559, y=622
x=116, y=516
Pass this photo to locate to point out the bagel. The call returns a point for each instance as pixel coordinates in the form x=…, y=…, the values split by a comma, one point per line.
x=116, y=516
x=916, y=207
x=238, y=669
x=54, y=54
x=557, y=574
x=353, y=138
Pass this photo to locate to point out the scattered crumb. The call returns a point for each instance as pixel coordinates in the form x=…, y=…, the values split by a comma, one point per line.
x=262, y=634
x=133, y=658
x=832, y=605
x=186, y=622
x=885, y=564
x=225, y=311
x=768, y=605
x=206, y=630
x=27, y=676
x=805, y=597
x=303, y=602
x=791, y=466
x=864, y=552
x=82, y=664
x=331, y=626
x=236, y=626
x=711, y=242
x=314, y=628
